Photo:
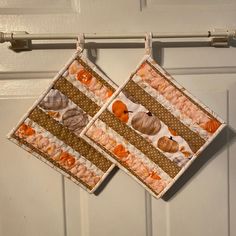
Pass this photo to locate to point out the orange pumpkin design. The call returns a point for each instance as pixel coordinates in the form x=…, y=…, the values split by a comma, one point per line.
x=186, y=153
x=109, y=93
x=84, y=77
x=167, y=144
x=120, y=111
x=172, y=131
x=120, y=151
x=26, y=130
x=70, y=161
x=154, y=175
x=212, y=125
x=66, y=159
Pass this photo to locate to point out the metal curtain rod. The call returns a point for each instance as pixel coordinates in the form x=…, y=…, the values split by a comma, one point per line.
x=20, y=38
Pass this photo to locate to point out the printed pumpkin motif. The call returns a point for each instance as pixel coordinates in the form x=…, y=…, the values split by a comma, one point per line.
x=67, y=160
x=75, y=120
x=84, y=77
x=167, y=144
x=120, y=151
x=54, y=101
x=120, y=110
x=154, y=175
x=211, y=126
x=25, y=130
x=146, y=123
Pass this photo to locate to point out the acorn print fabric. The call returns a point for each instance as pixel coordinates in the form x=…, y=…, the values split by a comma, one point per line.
x=51, y=129
x=153, y=128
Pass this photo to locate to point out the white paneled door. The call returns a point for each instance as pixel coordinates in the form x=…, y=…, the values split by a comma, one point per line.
x=36, y=200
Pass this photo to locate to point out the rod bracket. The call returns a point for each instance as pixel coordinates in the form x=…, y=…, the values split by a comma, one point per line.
x=20, y=44
x=220, y=42
x=221, y=37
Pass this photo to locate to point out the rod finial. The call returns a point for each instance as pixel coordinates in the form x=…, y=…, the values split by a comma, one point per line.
x=5, y=37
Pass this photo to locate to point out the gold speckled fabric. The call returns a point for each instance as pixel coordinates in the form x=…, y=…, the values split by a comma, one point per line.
x=139, y=142
x=76, y=96
x=70, y=139
x=193, y=139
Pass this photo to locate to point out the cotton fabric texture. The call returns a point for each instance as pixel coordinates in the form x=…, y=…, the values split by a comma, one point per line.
x=153, y=128
x=51, y=128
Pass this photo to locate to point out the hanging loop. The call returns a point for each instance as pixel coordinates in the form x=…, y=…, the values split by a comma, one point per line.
x=148, y=43
x=80, y=43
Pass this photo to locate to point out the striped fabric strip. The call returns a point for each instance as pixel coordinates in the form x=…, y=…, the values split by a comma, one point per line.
x=31, y=147
x=140, y=143
x=69, y=138
x=192, y=138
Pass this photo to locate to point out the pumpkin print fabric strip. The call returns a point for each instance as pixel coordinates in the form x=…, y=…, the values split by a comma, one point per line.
x=51, y=129
x=153, y=128
x=194, y=140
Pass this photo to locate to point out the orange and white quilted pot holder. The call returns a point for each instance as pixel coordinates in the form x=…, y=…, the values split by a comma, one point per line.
x=153, y=128
x=51, y=128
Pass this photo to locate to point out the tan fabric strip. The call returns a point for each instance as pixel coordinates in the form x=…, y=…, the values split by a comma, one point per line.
x=69, y=138
x=21, y=141
x=75, y=95
x=140, y=143
x=97, y=76
x=189, y=98
x=123, y=164
x=192, y=138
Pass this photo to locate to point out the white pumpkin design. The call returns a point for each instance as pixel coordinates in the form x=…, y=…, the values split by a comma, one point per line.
x=75, y=120
x=54, y=100
x=146, y=123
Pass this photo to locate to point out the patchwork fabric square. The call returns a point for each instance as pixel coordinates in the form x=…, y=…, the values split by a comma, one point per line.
x=51, y=128
x=153, y=128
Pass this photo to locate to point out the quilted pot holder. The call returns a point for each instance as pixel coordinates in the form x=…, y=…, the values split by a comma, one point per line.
x=51, y=128
x=153, y=128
